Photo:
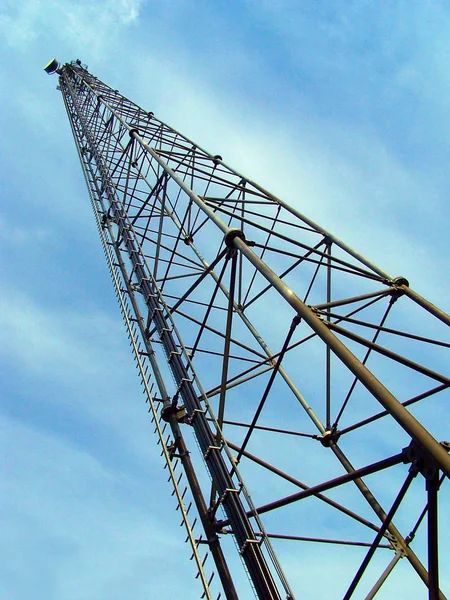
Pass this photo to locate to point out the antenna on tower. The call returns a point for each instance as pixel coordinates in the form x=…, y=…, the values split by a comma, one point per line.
x=52, y=67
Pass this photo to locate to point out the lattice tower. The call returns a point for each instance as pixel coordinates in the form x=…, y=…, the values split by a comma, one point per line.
x=297, y=390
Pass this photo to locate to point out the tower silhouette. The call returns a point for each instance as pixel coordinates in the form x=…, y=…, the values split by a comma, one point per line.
x=297, y=391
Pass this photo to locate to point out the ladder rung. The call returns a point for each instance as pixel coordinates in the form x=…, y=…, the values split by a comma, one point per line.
x=248, y=543
x=172, y=354
x=208, y=451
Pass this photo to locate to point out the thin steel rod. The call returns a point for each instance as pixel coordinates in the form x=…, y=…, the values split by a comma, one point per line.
x=384, y=413
x=364, y=361
x=351, y=268
x=272, y=429
x=432, y=485
x=301, y=538
x=154, y=191
x=337, y=263
x=389, y=354
x=404, y=334
x=201, y=329
x=351, y=300
x=283, y=274
x=359, y=257
x=273, y=374
x=327, y=348
x=227, y=345
x=213, y=353
x=376, y=588
x=173, y=277
x=191, y=301
x=226, y=359
x=413, y=531
x=409, y=478
x=302, y=485
x=206, y=272
x=160, y=228
x=274, y=222
x=328, y=485
x=241, y=378
x=217, y=332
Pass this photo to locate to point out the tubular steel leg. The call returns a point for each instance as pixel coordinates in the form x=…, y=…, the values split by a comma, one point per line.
x=433, y=558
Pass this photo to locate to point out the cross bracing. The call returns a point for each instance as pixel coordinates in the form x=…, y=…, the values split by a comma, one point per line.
x=303, y=388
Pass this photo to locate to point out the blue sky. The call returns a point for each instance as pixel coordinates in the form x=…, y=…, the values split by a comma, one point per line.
x=341, y=108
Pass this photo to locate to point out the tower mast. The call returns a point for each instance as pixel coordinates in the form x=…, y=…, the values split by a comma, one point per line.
x=269, y=352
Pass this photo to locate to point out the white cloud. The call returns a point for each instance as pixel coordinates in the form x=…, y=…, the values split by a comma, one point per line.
x=81, y=24
x=75, y=360
x=345, y=177
x=80, y=531
x=38, y=338
x=345, y=174
x=14, y=235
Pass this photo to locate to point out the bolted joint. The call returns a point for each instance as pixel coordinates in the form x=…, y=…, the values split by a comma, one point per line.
x=170, y=411
x=394, y=542
x=217, y=159
x=296, y=321
x=396, y=290
x=132, y=132
x=231, y=235
x=328, y=438
x=421, y=461
x=105, y=220
x=400, y=281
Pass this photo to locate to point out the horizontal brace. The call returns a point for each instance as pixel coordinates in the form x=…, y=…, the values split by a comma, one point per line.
x=326, y=485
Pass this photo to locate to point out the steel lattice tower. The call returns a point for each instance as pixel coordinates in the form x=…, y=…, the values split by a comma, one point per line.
x=297, y=390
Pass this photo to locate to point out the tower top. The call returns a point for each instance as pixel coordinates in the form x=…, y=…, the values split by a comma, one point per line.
x=54, y=66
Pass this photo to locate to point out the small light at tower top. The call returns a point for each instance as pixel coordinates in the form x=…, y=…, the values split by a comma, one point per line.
x=52, y=67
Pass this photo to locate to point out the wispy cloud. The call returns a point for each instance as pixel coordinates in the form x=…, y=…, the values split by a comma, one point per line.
x=77, y=529
x=82, y=24
x=338, y=108
x=345, y=176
